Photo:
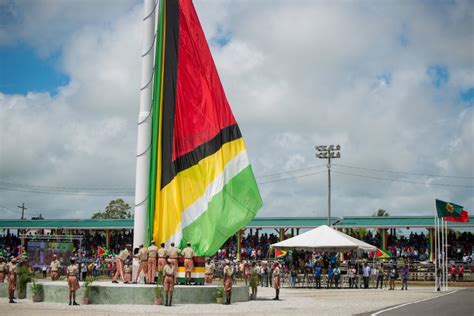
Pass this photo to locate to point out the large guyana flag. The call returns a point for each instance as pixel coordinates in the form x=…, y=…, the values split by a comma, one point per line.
x=202, y=188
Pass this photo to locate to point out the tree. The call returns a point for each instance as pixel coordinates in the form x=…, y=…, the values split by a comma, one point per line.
x=117, y=209
x=381, y=213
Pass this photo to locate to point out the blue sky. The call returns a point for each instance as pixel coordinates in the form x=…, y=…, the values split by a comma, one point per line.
x=24, y=71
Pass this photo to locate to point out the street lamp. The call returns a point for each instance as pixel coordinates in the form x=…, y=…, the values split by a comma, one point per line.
x=328, y=152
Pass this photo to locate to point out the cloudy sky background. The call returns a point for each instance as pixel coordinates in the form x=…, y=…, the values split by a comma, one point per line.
x=391, y=82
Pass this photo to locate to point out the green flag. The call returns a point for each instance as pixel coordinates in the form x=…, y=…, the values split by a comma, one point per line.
x=448, y=209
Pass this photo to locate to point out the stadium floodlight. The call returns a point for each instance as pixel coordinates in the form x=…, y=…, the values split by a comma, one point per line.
x=328, y=152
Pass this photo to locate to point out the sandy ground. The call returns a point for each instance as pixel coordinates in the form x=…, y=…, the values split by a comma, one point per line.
x=293, y=301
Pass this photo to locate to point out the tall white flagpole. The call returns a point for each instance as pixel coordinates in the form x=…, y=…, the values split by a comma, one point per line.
x=435, y=235
x=140, y=225
x=446, y=251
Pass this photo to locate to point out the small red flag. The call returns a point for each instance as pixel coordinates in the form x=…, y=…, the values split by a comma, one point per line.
x=463, y=219
x=101, y=251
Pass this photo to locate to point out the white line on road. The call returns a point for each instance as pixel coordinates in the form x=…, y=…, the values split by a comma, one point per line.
x=409, y=303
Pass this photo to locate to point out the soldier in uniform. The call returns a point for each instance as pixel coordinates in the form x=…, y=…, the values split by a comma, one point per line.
x=12, y=277
x=228, y=272
x=276, y=280
x=209, y=271
x=188, y=254
x=119, y=262
x=162, y=255
x=143, y=257
x=72, y=281
x=152, y=254
x=173, y=253
x=54, y=266
x=254, y=279
x=169, y=273
x=127, y=269
x=3, y=270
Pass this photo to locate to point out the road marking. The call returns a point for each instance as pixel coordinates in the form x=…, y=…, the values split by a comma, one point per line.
x=409, y=303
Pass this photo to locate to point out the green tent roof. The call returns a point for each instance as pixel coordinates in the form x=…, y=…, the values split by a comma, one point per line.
x=259, y=222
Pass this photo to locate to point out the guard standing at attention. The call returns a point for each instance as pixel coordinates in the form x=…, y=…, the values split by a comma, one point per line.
x=169, y=273
x=72, y=281
x=209, y=271
x=173, y=253
x=127, y=269
x=162, y=255
x=228, y=272
x=12, y=277
x=276, y=280
x=143, y=257
x=188, y=254
x=3, y=269
x=152, y=254
x=119, y=262
x=54, y=266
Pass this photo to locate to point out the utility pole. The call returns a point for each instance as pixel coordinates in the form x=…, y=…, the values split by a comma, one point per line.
x=23, y=208
x=328, y=152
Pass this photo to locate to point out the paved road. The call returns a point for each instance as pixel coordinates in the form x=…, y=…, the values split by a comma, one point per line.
x=459, y=303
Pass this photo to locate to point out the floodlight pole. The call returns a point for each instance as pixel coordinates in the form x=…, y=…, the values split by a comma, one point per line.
x=328, y=152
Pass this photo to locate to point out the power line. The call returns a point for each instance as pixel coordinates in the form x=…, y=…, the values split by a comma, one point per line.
x=27, y=186
x=404, y=181
x=403, y=172
x=125, y=193
x=295, y=177
x=290, y=171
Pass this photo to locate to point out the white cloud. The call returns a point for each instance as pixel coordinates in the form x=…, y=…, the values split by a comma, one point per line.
x=296, y=74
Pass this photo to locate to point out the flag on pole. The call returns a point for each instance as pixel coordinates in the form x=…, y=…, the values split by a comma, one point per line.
x=102, y=251
x=448, y=209
x=202, y=187
x=463, y=219
x=382, y=254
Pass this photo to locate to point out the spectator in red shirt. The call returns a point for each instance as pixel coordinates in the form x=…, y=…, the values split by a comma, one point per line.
x=460, y=272
x=452, y=271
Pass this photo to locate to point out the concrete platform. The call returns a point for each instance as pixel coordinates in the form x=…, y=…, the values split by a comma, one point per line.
x=105, y=292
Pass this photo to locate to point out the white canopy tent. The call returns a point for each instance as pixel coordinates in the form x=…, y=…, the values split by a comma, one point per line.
x=324, y=238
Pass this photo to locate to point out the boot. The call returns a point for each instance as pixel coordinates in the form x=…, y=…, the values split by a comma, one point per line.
x=11, y=301
x=171, y=298
x=166, y=299
x=75, y=303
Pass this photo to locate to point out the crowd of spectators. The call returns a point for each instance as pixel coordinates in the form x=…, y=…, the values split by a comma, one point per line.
x=414, y=246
